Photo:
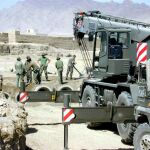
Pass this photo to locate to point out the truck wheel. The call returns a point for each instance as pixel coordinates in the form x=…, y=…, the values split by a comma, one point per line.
x=89, y=100
x=141, y=138
x=126, y=130
x=89, y=97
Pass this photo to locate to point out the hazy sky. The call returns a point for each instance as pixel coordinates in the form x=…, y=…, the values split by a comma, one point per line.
x=8, y=3
x=136, y=1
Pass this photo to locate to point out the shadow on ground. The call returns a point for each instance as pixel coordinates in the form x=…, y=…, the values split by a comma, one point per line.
x=44, y=124
x=31, y=130
x=103, y=126
x=28, y=148
x=108, y=126
x=64, y=82
x=114, y=149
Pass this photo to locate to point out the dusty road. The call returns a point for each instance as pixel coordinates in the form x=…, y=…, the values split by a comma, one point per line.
x=46, y=131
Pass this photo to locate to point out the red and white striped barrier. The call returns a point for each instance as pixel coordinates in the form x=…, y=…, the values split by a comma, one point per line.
x=68, y=115
x=141, y=51
x=23, y=97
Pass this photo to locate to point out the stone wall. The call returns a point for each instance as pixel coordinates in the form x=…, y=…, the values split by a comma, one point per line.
x=58, y=42
x=4, y=37
x=4, y=49
x=67, y=43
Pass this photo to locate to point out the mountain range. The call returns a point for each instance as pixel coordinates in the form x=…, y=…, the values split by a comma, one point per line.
x=55, y=17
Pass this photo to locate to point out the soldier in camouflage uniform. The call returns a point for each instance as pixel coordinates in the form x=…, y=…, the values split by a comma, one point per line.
x=43, y=65
x=36, y=71
x=70, y=66
x=19, y=67
x=59, y=67
x=28, y=69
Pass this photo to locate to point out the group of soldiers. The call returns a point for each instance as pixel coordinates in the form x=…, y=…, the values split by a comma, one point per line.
x=59, y=67
x=30, y=68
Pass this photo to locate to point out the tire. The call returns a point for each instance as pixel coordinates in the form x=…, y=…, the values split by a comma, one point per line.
x=89, y=97
x=141, y=139
x=126, y=131
x=89, y=100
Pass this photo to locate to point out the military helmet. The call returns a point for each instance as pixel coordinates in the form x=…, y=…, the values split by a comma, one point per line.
x=18, y=58
x=28, y=57
x=58, y=58
x=43, y=54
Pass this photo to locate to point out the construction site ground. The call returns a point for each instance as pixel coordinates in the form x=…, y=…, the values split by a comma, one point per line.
x=45, y=129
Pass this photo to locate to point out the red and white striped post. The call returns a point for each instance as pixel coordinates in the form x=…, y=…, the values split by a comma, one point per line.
x=68, y=115
x=66, y=105
x=141, y=56
x=141, y=53
x=23, y=97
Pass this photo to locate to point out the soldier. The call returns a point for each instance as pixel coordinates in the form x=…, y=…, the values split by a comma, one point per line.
x=70, y=66
x=59, y=66
x=43, y=61
x=19, y=71
x=28, y=69
x=36, y=71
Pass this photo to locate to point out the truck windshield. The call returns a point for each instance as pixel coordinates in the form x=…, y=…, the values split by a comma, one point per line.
x=119, y=38
x=111, y=44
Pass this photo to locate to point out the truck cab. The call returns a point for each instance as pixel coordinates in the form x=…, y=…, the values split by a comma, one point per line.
x=111, y=52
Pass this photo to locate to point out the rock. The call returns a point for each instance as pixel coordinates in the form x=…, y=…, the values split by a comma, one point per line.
x=3, y=106
x=13, y=124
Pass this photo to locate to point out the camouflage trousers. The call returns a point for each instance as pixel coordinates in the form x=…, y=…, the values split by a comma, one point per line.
x=69, y=70
x=60, y=78
x=44, y=68
x=37, y=76
x=29, y=76
x=19, y=78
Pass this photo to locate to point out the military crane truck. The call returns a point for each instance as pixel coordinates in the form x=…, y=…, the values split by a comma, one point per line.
x=114, y=55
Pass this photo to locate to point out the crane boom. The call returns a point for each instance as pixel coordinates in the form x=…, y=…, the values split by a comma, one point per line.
x=88, y=23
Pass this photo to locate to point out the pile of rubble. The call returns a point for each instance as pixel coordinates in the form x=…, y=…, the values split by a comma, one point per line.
x=13, y=124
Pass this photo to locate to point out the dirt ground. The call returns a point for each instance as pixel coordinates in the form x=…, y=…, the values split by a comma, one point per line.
x=47, y=132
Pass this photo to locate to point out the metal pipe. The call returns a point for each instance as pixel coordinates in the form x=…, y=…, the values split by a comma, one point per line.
x=66, y=105
x=65, y=137
x=66, y=100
